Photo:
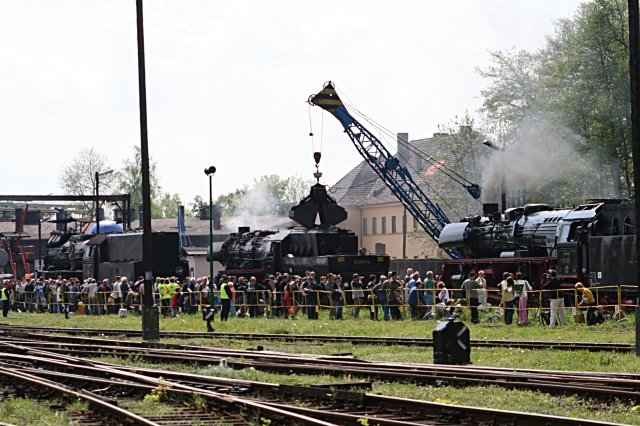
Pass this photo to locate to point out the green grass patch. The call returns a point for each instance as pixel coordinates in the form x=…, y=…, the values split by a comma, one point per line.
x=610, y=332
x=19, y=411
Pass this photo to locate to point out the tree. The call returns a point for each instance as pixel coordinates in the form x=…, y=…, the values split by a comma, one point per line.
x=193, y=208
x=573, y=95
x=296, y=188
x=78, y=178
x=265, y=197
x=129, y=179
x=169, y=205
x=230, y=201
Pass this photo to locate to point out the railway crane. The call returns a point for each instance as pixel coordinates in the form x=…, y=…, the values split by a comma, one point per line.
x=396, y=176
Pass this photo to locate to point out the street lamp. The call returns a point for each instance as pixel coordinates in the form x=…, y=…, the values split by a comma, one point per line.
x=98, y=174
x=503, y=184
x=210, y=172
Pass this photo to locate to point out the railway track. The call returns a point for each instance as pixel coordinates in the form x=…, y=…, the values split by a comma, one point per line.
x=601, y=386
x=354, y=340
x=199, y=399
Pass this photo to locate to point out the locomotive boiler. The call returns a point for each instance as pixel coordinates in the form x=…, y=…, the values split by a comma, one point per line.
x=593, y=243
x=321, y=247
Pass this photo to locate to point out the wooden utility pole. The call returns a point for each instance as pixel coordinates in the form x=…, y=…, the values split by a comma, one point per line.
x=634, y=74
x=150, y=317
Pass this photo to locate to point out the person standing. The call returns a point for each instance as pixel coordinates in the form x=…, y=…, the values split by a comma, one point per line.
x=470, y=286
x=482, y=292
x=508, y=298
x=358, y=294
x=5, y=296
x=521, y=288
x=225, y=298
x=395, y=300
x=336, y=296
x=556, y=299
x=429, y=290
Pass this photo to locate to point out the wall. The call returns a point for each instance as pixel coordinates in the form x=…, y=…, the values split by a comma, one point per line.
x=393, y=241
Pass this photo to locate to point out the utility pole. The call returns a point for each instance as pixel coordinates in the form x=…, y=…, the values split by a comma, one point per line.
x=150, y=318
x=634, y=74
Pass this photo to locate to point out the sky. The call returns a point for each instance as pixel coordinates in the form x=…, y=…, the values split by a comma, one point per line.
x=228, y=81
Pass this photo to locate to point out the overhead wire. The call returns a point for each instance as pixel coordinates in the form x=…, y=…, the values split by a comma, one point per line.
x=452, y=174
x=415, y=172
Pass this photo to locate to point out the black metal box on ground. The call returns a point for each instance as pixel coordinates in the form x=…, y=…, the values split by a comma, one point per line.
x=451, y=343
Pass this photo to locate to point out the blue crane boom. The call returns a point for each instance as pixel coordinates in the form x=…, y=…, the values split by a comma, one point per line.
x=428, y=214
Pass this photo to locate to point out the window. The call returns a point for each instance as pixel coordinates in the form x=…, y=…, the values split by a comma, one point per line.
x=383, y=224
x=364, y=226
x=394, y=227
x=374, y=225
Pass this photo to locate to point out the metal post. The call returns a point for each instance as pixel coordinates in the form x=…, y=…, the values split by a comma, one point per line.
x=150, y=318
x=97, y=203
x=634, y=71
x=211, y=229
x=96, y=261
x=210, y=172
x=40, y=239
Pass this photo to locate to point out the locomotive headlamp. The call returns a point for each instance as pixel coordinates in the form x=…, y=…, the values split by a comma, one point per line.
x=210, y=171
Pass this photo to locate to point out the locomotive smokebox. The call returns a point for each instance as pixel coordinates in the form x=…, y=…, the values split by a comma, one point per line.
x=451, y=343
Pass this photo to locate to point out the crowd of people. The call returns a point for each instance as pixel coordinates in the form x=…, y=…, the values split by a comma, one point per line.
x=385, y=297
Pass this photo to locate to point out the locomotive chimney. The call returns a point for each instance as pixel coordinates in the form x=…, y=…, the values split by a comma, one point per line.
x=60, y=215
x=490, y=208
x=217, y=215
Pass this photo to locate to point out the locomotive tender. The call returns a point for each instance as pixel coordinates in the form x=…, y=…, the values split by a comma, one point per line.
x=593, y=243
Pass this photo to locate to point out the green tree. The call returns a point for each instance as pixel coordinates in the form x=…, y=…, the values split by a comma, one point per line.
x=296, y=188
x=169, y=205
x=129, y=181
x=193, y=208
x=577, y=89
x=230, y=201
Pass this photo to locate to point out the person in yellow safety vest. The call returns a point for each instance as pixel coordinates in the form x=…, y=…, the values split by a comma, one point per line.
x=165, y=296
x=6, y=301
x=225, y=298
x=173, y=287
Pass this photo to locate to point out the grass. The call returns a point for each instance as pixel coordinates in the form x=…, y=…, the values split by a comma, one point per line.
x=21, y=411
x=487, y=396
x=609, y=332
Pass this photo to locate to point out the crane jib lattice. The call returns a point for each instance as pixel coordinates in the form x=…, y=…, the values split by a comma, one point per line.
x=397, y=178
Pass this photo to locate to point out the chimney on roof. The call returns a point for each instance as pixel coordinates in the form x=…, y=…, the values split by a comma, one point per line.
x=403, y=152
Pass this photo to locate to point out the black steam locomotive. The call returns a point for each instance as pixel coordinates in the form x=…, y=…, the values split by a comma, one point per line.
x=77, y=255
x=593, y=243
x=321, y=247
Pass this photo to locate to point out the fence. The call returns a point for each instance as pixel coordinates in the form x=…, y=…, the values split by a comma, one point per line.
x=398, y=304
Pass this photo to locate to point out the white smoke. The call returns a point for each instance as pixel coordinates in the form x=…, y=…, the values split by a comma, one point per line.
x=258, y=201
x=540, y=153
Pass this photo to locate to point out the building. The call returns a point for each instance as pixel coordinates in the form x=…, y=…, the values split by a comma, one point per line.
x=379, y=219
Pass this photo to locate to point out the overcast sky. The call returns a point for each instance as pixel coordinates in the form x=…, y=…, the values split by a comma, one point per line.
x=227, y=81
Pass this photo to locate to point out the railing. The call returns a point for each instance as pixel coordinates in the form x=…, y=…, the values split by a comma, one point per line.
x=381, y=304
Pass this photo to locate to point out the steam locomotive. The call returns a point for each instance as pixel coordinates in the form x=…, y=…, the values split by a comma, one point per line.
x=593, y=243
x=321, y=247
x=78, y=255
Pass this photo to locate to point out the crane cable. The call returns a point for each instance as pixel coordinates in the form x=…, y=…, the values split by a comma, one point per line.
x=421, y=154
x=452, y=174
